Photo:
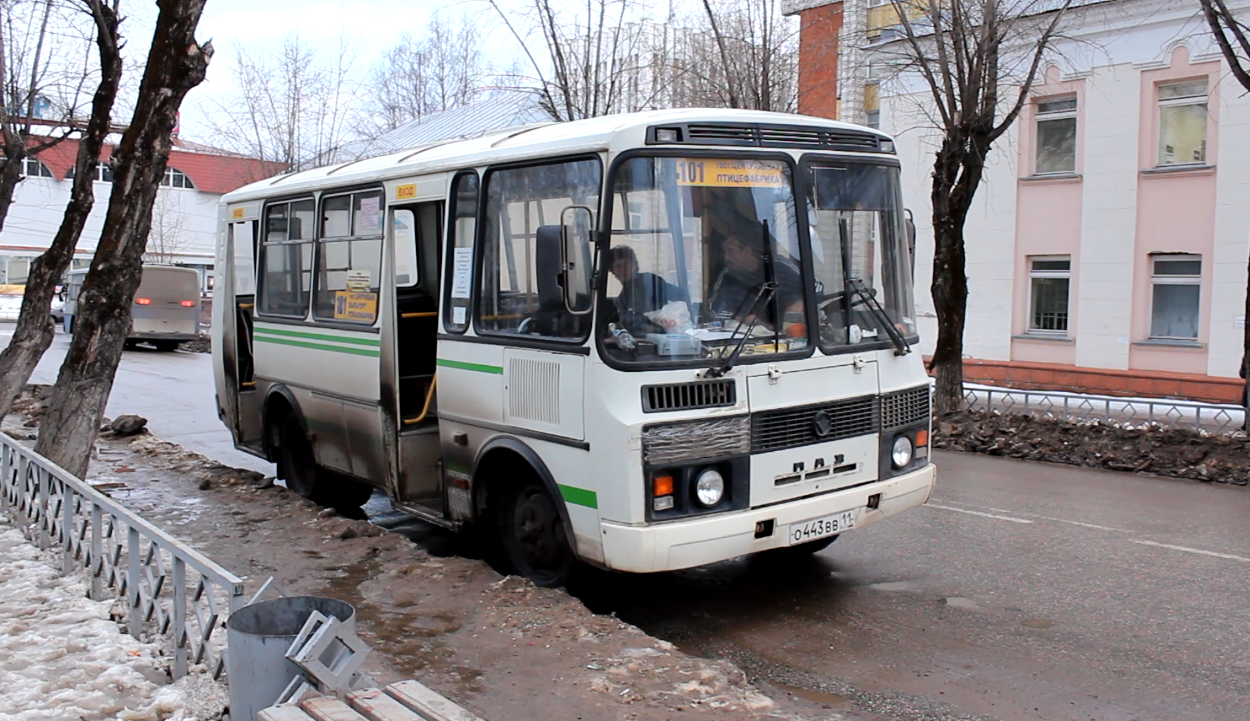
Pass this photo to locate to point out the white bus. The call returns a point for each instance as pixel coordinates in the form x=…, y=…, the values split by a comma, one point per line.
x=165, y=311
x=646, y=341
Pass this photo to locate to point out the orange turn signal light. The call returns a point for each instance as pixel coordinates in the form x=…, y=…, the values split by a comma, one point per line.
x=188, y=304
x=662, y=485
x=143, y=301
x=922, y=438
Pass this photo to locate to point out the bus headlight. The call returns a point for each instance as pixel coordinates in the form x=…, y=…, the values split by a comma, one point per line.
x=901, y=453
x=709, y=488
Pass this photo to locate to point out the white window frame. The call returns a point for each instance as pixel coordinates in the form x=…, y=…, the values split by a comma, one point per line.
x=1156, y=280
x=175, y=178
x=1041, y=116
x=1195, y=99
x=41, y=169
x=1034, y=274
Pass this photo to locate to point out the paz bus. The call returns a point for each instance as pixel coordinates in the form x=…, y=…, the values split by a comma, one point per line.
x=646, y=342
x=165, y=311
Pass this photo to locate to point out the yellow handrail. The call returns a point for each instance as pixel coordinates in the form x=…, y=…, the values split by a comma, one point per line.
x=430, y=314
x=429, y=399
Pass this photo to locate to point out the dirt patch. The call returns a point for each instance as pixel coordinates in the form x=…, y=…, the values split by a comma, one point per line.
x=203, y=344
x=498, y=645
x=1180, y=453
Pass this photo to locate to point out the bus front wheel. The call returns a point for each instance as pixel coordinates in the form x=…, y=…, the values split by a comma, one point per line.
x=298, y=465
x=533, y=535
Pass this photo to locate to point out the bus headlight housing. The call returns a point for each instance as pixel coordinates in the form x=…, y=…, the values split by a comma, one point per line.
x=901, y=453
x=709, y=488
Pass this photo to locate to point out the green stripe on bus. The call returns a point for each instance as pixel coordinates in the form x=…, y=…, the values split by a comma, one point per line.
x=480, y=368
x=319, y=336
x=580, y=496
x=372, y=353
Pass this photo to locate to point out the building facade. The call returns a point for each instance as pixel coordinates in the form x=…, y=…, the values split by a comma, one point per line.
x=184, y=218
x=1107, y=247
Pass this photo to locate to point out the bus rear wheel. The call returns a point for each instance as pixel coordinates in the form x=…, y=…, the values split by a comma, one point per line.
x=305, y=477
x=533, y=535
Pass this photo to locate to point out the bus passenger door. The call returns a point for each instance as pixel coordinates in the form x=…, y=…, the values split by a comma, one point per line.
x=240, y=293
x=417, y=235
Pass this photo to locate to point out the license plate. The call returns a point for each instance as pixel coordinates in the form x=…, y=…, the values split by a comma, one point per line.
x=816, y=528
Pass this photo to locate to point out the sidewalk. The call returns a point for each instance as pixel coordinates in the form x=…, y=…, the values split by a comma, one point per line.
x=62, y=656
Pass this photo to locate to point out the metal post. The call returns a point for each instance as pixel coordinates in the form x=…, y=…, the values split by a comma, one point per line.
x=67, y=528
x=180, y=618
x=41, y=478
x=6, y=469
x=97, y=552
x=132, y=581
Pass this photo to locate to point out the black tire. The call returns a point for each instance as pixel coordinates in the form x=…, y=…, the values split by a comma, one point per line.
x=166, y=346
x=533, y=536
x=305, y=477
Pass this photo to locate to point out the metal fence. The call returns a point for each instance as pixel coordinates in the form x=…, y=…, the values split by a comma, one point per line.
x=168, y=587
x=1209, y=417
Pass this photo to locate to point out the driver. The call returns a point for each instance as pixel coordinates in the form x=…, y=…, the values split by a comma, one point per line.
x=640, y=292
x=742, y=279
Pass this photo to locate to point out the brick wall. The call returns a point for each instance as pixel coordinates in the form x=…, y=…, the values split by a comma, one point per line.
x=818, y=60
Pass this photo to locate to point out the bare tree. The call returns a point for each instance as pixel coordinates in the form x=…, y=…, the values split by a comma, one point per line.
x=1233, y=37
x=39, y=77
x=441, y=69
x=978, y=61
x=34, y=331
x=176, y=63
x=754, y=65
x=291, y=106
x=599, y=61
x=167, y=237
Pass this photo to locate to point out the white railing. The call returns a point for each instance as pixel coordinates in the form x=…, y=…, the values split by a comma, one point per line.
x=1194, y=415
x=169, y=588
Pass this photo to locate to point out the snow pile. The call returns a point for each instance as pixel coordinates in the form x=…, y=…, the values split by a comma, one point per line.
x=61, y=657
x=10, y=307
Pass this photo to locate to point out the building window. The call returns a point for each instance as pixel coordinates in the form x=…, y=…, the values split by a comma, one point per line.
x=104, y=173
x=1056, y=136
x=872, y=105
x=175, y=178
x=1183, y=122
x=32, y=168
x=1176, y=282
x=1049, y=282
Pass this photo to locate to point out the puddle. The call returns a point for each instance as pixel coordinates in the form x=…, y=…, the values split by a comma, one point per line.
x=827, y=698
x=1037, y=622
x=961, y=602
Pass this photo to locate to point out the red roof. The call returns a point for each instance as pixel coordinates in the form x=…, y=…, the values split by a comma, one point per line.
x=210, y=172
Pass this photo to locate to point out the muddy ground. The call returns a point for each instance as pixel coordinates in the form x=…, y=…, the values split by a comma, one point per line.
x=1180, y=453
x=498, y=645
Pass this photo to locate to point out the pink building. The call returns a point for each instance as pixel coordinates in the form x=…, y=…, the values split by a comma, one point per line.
x=1107, y=250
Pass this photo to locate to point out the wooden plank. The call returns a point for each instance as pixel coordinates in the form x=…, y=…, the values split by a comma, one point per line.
x=283, y=713
x=377, y=706
x=328, y=708
x=427, y=703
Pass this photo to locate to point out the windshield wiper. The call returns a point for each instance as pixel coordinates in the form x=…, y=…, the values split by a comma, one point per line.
x=766, y=289
x=869, y=299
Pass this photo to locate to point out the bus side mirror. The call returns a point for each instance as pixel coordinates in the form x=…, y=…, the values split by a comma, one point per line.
x=576, y=231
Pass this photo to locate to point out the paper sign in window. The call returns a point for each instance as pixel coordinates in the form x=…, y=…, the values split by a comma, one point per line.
x=354, y=306
x=461, y=272
x=359, y=279
x=368, y=215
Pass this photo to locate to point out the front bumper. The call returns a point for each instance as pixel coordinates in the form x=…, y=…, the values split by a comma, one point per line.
x=683, y=544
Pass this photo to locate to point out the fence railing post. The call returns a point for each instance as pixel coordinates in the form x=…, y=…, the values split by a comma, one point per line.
x=180, y=618
x=41, y=478
x=67, y=528
x=132, y=581
x=97, y=552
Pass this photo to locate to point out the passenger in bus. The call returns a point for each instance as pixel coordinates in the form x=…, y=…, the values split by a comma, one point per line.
x=641, y=292
x=737, y=291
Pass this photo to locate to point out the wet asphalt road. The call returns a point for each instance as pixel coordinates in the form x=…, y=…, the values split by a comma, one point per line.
x=1022, y=591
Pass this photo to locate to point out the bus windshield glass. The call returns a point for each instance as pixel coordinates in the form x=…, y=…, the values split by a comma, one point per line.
x=704, y=261
x=860, y=254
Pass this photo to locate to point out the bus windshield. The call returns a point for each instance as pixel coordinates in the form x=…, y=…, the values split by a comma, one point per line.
x=704, y=261
x=859, y=253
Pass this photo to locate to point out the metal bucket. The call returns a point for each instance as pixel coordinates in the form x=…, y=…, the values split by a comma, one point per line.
x=258, y=637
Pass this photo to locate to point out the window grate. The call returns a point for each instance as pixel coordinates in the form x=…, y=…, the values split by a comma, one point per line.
x=795, y=427
x=905, y=408
x=689, y=396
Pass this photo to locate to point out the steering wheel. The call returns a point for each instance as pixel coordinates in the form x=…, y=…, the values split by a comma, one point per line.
x=524, y=327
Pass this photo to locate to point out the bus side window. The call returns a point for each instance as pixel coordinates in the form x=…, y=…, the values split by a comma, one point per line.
x=349, y=264
x=461, y=229
x=404, y=228
x=287, y=251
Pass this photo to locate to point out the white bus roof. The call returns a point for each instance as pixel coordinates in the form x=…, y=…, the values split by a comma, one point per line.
x=611, y=132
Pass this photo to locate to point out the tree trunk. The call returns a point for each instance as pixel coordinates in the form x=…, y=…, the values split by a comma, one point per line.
x=176, y=64
x=10, y=170
x=35, y=330
x=950, y=283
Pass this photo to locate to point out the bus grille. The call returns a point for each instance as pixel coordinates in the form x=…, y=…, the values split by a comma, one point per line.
x=689, y=396
x=905, y=408
x=794, y=427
